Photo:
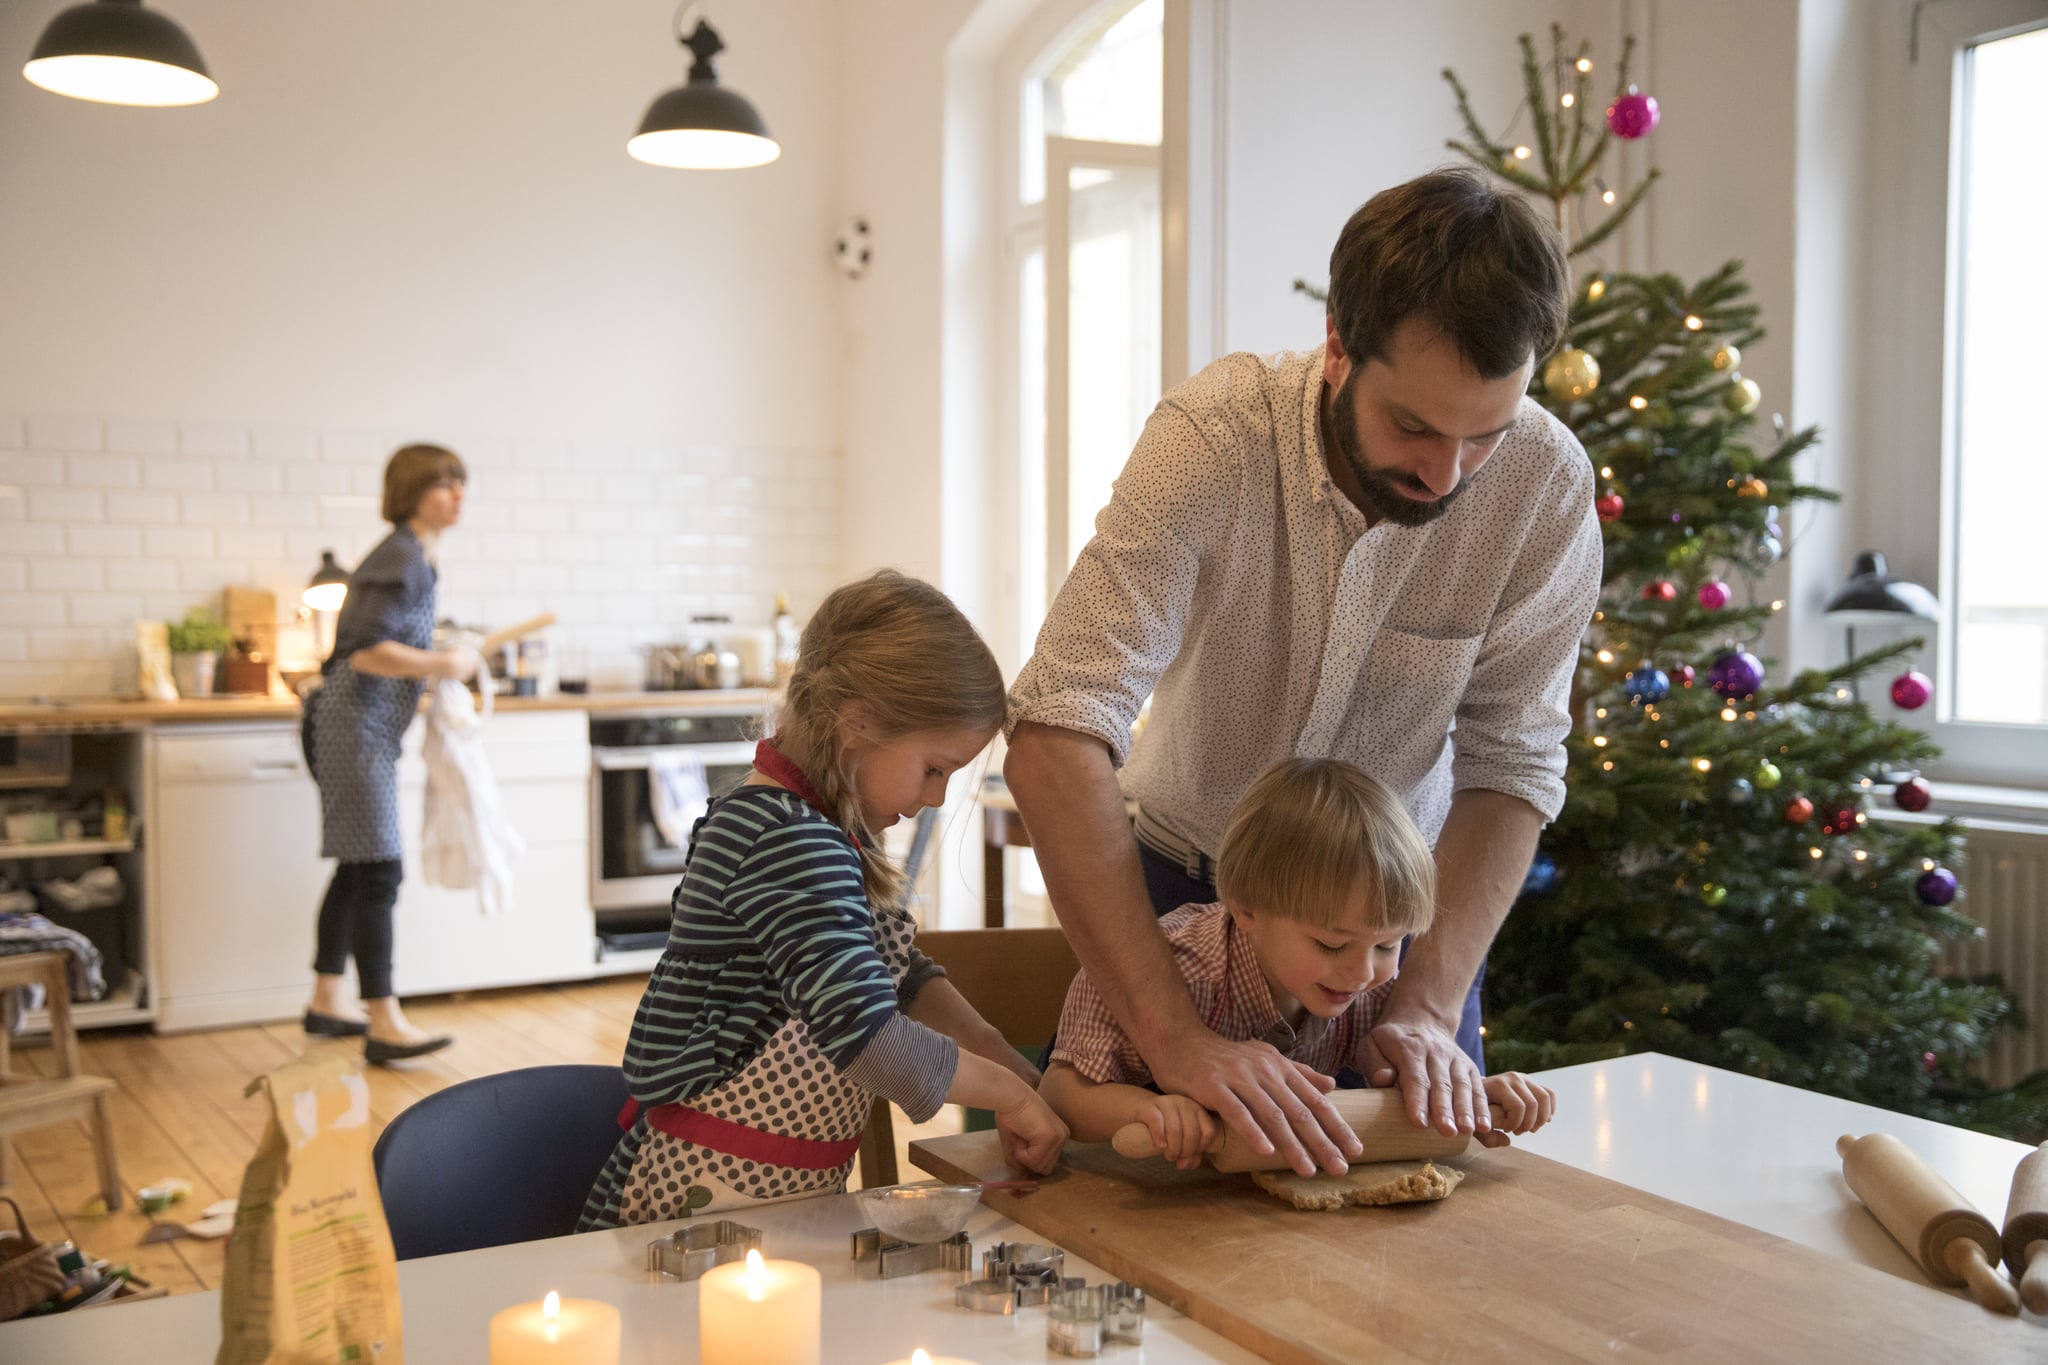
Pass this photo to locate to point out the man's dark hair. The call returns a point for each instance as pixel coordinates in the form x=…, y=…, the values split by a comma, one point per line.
x=1475, y=261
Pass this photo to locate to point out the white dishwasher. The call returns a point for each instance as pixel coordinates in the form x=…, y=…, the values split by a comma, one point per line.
x=235, y=859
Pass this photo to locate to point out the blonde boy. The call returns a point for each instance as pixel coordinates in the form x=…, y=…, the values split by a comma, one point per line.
x=1322, y=874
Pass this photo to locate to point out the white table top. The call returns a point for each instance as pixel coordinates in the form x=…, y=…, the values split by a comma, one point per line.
x=1751, y=1151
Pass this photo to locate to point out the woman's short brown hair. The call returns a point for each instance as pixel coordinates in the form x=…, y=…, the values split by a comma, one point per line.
x=1311, y=832
x=411, y=471
x=1472, y=259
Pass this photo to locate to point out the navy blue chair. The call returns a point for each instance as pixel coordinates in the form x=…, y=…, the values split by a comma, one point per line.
x=504, y=1158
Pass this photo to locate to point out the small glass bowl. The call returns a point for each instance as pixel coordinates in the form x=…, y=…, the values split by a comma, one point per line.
x=924, y=1212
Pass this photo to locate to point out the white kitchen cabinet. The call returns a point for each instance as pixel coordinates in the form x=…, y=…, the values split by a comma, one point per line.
x=238, y=877
x=234, y=852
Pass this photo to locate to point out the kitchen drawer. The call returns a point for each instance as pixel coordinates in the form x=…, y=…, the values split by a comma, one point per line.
x=522, y=746
x=241, y=753
x=444, y=942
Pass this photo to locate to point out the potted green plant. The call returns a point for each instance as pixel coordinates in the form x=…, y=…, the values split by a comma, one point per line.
x=196, y=643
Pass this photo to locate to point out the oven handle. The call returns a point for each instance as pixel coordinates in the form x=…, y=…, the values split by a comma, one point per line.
x=638, y=760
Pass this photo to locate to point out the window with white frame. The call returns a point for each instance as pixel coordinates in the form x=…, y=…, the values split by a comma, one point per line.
x=1997, y=602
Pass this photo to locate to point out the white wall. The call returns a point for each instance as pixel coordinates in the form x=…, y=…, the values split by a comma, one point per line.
x=418, y=221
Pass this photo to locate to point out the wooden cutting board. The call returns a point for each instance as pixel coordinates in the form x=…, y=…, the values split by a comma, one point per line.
x=1530, y=1260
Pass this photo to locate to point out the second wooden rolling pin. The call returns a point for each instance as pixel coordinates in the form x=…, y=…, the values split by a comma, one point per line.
x=2026, y=1229
x=1954, y=1244
x=1377, y=1116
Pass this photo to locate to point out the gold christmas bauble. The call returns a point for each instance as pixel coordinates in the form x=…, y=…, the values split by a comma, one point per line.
x=1571, y=373
x=1728, y=357
x=1752, y=487
x=1742, y=396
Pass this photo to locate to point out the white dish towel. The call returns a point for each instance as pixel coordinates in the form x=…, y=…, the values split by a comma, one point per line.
x=680, y=793
x=466, y=839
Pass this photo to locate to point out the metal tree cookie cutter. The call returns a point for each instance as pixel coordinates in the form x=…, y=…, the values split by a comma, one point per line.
x=1079, y=1322
x=688, y=1253
x=892, y=1258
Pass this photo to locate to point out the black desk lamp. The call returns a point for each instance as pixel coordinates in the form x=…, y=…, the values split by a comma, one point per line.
x=1872, y=596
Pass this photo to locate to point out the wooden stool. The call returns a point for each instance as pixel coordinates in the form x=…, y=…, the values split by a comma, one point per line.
x=29, y=1102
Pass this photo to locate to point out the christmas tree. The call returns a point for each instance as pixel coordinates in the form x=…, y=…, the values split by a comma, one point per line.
x=1715, y=888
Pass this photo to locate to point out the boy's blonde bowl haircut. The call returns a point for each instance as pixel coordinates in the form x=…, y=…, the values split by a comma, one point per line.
x=1309, y=832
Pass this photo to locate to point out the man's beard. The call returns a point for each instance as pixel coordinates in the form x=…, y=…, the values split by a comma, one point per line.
x=1382, y=489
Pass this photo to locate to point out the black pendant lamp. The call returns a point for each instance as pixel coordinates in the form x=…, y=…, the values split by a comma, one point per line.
x=702, y=125
x=117, y=52
x=1872, y=594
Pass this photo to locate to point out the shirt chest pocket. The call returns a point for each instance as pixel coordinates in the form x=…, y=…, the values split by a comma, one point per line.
x=1407, y=694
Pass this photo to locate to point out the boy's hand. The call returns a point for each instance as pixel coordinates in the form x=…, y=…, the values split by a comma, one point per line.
x=1033, y=1135
x=1181, y=1128
x=1525, y=1106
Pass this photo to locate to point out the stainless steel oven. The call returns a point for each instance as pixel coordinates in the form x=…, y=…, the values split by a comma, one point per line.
x=634, y=867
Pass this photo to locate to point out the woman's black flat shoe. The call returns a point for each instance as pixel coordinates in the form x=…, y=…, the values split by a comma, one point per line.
x=383, y=1054
x=328, y=1026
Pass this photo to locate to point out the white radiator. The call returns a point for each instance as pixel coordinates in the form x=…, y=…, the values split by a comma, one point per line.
x=2005, y=884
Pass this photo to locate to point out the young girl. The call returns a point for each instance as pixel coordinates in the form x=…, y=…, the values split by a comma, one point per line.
x=790, y=995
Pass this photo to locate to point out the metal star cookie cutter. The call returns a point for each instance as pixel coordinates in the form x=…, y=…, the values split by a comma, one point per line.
x=689, y=1252
x=891, y=1258
x=1079, y=1322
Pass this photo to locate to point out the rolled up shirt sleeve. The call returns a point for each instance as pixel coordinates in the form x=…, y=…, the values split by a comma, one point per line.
x=1123, y=611
x=1516, y=709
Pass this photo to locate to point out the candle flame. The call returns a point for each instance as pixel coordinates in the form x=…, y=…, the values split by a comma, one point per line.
x=756, y=1276
x=918, y=1357
x=551, y=1306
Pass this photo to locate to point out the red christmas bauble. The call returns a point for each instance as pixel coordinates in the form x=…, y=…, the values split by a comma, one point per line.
x=1911, y=689
x=1798, y=811
x=1913, y=794
x=1683, y=675
x=1633, y=115
x=1608, y=506
x=1841, y=820
x=1663, y=590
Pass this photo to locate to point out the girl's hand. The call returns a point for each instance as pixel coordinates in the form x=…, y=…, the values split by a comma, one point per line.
x=1525, y=1105
x=1181, y=1127
x=1032, y=1134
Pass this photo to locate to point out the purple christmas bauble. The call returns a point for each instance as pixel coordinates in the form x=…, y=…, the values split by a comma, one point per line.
x=1736, y=675
x=1632, y=115
x=1913, y=794
x=1714, y=594
x=1937, y=886
x=1911, y=689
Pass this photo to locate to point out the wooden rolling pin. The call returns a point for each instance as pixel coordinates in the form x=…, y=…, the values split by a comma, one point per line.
x=1954, y=1244
x=2026, y=1229
x=498, y=639
x=1377, y=1116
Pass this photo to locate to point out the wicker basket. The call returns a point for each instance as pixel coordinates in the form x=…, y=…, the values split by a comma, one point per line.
x=28, y=1268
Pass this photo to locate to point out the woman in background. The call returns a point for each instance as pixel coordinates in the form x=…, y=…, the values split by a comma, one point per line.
x=368, y=695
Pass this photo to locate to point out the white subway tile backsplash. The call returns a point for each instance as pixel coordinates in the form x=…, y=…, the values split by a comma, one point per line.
x=57, y=506
x=494, y=486
x=103, y=471
x=12, y=431
x=284, y=445
x=214, y=509
x=141, y=436
x=142, y=508
x=540, y=578
x=180, y=475
x=13, y=575
x=213, y=440
x=283, y=510
x=578, y=488
x=349, y=513
x=35, y=540
x=103, y=542
x=366, y=481
x=250, y=544
x=318, y=479
x=64, y=643
x=112, y=609
x=355, y=447
x=141, y=575
x=592, y=516
x=247, y=476
x=541, y=516
x=543, y=455
x=30, y=469
x=178, y=542
x=210, y=576
x=13, y=646
x=31, y=609
x=66, y=433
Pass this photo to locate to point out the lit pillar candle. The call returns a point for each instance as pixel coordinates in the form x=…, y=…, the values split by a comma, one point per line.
x=556, y=1331
x=760, y=1313
x=920, y=1358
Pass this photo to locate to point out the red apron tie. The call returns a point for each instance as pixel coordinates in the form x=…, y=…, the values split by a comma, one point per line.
x=736, y=1139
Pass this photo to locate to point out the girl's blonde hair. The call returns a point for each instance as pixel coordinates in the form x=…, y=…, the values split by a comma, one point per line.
x=1309, y=833
x=899, y=645
x=411, y=471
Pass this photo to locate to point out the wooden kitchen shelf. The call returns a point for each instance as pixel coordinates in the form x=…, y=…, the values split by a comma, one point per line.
x=65, y=848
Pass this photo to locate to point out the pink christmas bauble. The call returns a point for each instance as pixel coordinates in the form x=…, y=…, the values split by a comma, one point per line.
x=1713, y=594
x=1632, y=115
x=1911, y=689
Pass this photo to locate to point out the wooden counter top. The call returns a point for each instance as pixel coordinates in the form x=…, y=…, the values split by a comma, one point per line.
x=116, y=711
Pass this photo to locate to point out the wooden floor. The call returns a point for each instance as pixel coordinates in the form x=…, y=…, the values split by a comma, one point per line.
x=180, y=1111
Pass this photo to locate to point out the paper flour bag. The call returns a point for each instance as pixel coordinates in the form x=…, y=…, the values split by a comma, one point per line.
x=311, y=1279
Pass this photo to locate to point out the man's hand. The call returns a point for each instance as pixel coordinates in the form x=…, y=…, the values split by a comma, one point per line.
x=1274, y=1104
x=1440, y=1087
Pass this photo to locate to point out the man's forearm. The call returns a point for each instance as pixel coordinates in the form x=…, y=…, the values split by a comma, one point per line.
x=1065, y=788
x=1482, y=855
